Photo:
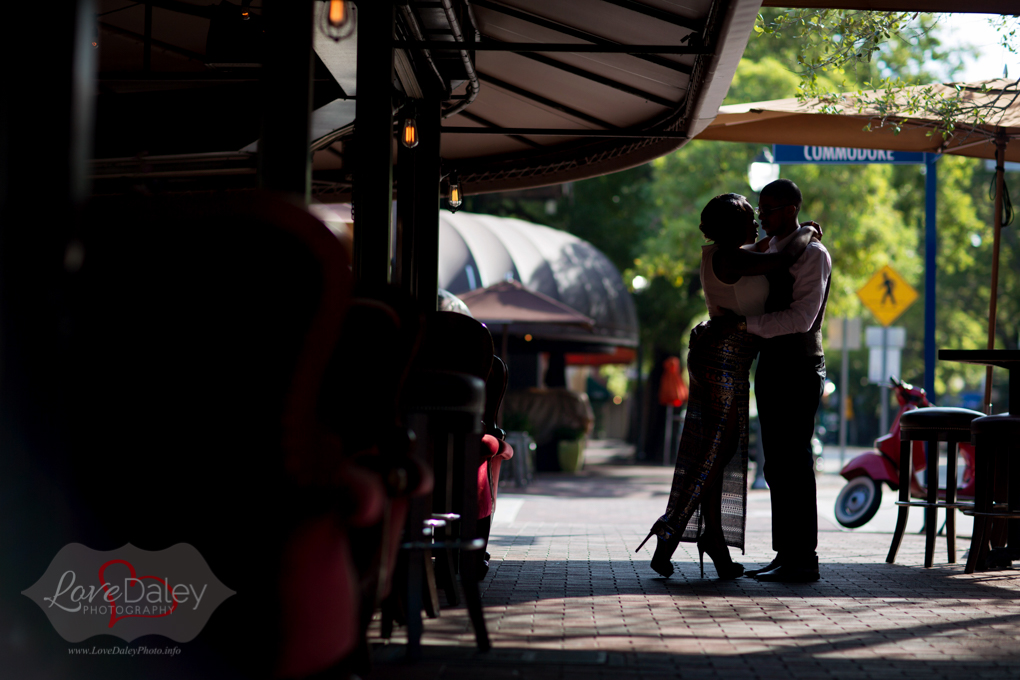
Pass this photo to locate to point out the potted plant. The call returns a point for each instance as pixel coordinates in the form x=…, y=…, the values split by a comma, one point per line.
x=570, y=448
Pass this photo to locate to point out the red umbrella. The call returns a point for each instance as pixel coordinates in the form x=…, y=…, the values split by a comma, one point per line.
x=672, y=389
x=672, y=394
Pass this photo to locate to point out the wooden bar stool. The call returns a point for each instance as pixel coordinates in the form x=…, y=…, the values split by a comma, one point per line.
x=997, y=476
x=932, y=425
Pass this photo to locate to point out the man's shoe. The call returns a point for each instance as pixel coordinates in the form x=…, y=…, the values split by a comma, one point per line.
x=769, y=567
x=804, y=572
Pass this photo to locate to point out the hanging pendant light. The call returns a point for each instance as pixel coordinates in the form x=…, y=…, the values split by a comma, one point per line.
x=409, y=136
x=338, y=20
x=456, y=199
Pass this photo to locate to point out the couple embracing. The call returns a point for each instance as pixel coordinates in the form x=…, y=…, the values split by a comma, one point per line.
x=765, y=299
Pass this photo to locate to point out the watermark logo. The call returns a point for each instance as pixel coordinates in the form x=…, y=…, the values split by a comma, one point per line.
x=128, y=592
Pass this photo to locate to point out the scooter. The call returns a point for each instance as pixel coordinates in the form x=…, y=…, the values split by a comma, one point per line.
x=860, y=499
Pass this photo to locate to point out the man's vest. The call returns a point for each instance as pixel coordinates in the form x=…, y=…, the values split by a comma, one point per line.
x=794, y=344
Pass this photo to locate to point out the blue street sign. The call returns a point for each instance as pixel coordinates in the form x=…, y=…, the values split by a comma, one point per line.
x=787, y=154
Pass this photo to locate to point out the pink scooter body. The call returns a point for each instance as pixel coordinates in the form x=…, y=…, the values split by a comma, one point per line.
x=882, y=465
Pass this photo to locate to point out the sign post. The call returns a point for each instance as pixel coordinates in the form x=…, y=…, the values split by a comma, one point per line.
x=847, y=338
x=887, y=295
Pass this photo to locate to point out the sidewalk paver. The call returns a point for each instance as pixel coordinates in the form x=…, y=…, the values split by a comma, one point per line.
x=567, y=597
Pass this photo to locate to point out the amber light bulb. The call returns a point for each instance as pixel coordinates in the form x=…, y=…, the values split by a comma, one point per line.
x=455, y=197
x=337, y=12
x=410, y=137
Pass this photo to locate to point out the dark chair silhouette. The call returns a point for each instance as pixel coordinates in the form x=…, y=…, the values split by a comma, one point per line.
x=932, y=425
x=360, y=402
x=197, y=335
x=445, y=403
x=997, y=493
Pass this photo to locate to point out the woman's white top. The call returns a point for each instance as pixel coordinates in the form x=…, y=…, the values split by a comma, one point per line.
x=746, y=297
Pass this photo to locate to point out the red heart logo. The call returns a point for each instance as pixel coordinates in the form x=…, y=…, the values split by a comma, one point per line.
x=113, y=613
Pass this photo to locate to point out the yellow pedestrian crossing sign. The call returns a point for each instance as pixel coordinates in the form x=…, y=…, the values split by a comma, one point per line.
x=887, y=295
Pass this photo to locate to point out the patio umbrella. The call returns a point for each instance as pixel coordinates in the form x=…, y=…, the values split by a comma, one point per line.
x=788, y=121
x=508, y=303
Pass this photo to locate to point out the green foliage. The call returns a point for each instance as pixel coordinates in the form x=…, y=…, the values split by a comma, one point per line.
x=613, y=212
x=616, y=379
x=854, y=61
x=1007, y=26
x=762, y=80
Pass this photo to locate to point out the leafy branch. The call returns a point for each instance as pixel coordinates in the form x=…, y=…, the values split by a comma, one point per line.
x=835, y=43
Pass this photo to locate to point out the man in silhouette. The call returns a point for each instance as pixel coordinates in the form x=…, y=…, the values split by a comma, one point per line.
x=788, y=386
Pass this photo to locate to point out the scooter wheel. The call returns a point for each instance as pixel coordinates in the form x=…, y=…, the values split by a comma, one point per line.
x=858, y=502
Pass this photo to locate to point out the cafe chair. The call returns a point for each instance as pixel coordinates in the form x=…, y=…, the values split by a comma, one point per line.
x=197, y=333
x=997, y=494
x=931, y=425
x=449, y=407
x=444, y=404
x=360, y=403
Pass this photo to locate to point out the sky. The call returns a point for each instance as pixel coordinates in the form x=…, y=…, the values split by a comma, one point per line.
x=974, y=29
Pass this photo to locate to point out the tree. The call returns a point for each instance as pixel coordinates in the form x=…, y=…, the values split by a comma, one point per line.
x=873, y=58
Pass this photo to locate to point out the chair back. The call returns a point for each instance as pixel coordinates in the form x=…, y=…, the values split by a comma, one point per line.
x=198, y=332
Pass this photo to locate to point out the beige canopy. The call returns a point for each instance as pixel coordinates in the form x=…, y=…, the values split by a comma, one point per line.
x=788, y=121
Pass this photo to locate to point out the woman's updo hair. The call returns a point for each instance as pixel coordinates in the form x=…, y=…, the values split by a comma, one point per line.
x=723, y=217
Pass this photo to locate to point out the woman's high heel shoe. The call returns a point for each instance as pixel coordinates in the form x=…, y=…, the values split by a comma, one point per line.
x=664, y=548
x=716, y=548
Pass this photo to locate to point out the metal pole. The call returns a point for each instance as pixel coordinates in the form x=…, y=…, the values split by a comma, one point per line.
x=930, y=269
x=428, y=170
x=639, y=392
x=884, y=406
x=284, y=159
x=403, y=265
x=759, y=459
x=667, y=443
x=844, y=382
x=147, y=46
x=1000, y=158
x=373, y=144
x=44, y=177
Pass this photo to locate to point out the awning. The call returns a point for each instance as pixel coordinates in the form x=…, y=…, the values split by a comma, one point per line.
x=617, y=83
x=476, y=251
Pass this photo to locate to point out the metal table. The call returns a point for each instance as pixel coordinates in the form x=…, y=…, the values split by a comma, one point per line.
x=1003, y=358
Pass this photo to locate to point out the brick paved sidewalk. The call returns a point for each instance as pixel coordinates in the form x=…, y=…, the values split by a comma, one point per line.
x=566, y=597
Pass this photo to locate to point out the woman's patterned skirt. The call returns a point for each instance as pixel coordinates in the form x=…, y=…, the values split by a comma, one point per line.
x=713, y=445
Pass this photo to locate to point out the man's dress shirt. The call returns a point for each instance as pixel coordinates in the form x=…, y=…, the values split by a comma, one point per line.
x=810, y=275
